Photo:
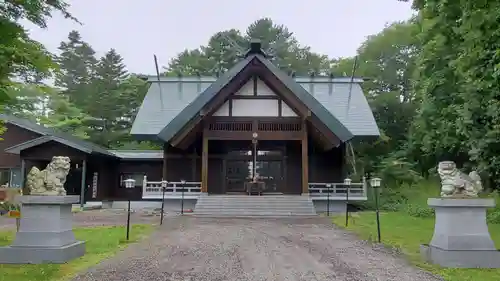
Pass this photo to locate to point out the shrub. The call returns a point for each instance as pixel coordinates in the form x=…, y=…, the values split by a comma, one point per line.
x=419, y=211
x=494, y=213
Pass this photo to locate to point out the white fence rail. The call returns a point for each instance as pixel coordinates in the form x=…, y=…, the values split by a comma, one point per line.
x=173, y=190
x=338, y=191
x=317, y=191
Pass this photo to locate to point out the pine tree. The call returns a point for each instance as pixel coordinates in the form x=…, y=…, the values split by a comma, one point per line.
x=77, y=63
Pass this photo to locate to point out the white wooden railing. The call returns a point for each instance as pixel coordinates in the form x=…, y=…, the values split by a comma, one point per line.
x=338, y=191
x=173, y=190
x=192, y=190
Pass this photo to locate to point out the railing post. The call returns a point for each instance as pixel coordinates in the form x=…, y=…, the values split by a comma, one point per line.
x=163, y=189
x=144, y=185
x=328, y=200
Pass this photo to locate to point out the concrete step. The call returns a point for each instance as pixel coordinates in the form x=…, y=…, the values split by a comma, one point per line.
x=302, y=208
x=254, y=206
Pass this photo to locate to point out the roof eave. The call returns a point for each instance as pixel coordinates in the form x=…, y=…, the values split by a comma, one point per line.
x=190, y=111
x=333, y=124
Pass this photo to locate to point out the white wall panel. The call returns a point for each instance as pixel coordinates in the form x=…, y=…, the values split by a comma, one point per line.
x=286, y=111
x=255, y=108
x=263, y=89
x=223, y=110
x=246, y=90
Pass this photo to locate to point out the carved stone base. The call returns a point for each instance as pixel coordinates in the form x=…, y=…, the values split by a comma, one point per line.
x=461, y=238
x=46, y=232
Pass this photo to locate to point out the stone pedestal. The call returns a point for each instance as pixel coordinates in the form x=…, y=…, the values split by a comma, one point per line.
x=46, y=232
x=461, y=238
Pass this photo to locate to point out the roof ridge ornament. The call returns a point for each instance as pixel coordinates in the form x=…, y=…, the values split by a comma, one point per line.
x=255, y=48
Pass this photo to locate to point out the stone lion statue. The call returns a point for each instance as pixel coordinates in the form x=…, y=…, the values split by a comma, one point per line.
x=454, y=183
x=49, y=181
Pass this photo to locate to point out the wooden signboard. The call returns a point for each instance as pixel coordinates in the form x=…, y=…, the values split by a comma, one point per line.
x=94, y=185
x=15, y=214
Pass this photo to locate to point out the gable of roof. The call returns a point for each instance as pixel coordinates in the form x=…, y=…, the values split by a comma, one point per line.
x=49, y=134
x=184, y=97
x=194, y=107
x=331, y=92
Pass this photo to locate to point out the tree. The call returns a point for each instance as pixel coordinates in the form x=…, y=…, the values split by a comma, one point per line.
x=101, y=93
x=64, y=116
x=477, y=64
x=20, y=54
x=77, y=64
x=106, y=95
x=387, y=61
x=225, y=48
x=457, y=80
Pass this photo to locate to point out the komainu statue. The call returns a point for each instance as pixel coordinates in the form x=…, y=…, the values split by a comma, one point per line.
x=50, y=181
x=454, y=183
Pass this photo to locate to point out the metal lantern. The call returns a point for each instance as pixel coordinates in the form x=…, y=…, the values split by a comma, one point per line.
x=328, y=186
x=129, y=183
x=375, y=182
x=164, y=185
x=347, y=183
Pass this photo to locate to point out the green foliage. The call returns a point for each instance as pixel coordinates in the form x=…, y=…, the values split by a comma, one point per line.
x=225, y=48
x=405, y=234
x=100, y=243
x=18, y=53
x=396, y=170
x=457, y=80
x=419, y=211
x=494, y=213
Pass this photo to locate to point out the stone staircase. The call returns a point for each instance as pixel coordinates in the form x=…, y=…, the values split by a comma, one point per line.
x=254, y=206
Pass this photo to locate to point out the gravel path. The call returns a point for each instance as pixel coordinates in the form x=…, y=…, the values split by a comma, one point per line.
x=95, y=218
x=204, y=249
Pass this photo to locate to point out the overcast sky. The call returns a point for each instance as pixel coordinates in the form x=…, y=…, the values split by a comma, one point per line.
x=139, y=29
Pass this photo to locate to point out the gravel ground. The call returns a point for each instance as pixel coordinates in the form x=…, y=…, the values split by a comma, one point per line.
x=204, y=249
x=96, y=218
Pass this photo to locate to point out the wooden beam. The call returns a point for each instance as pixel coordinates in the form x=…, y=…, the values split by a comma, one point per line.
x=263, y=135
x=165, y=156
x=193, y=165
x=204, y=165
x=82, y=185
x=305, y=161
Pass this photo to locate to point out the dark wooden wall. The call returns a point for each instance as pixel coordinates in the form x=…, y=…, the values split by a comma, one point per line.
x=13, y=136
x=50, y=149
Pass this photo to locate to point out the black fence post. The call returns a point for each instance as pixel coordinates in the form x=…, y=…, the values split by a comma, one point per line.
x=328, y=199
x=183, y=183
x=163, y=189
x=128, y=220
x=347, y=183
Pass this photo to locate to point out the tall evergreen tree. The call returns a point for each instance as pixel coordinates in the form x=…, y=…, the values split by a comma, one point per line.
x=106, y=95
x=77, y=63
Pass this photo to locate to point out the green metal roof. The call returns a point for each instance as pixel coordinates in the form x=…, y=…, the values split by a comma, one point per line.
x=184, y=97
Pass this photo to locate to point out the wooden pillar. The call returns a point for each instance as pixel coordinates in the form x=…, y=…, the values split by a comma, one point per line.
x=305, y=161
x=204, y=165
x=164, y=168
x=23, y=173
x=193, y=165
x=84, y=176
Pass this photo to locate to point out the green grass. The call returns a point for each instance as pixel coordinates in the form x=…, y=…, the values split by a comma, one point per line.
x=101, y=243
x=406, y=233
